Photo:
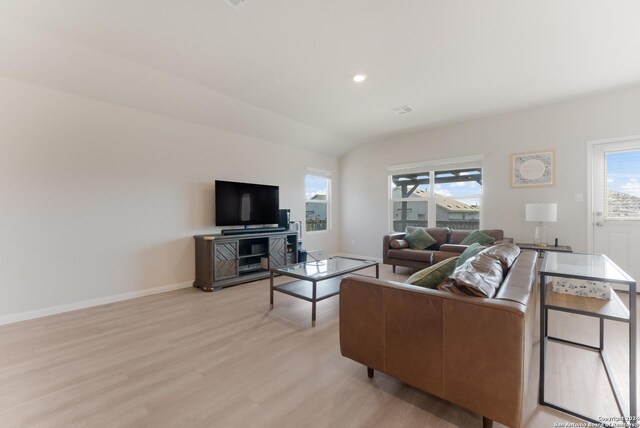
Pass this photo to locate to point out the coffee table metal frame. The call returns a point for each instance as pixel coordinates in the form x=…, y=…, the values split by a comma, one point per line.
x=622, y=315
x=301, y=289
x=541, y=250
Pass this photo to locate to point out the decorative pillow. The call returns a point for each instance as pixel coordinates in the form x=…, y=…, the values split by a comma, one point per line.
x=506, y=253
x=479, y=276
x=440, y=234
x=469, y=252
x=419, y=239
x=433, y=275
x=398, y=244
x=478, y=237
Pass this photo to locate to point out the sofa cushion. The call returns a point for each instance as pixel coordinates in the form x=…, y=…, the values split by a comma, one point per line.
x=412, y=255
x=440, y=234
x=470, y=251
x=419, y=239
x=433, y=275
x=497, y=234
x=456, y=236
x=479, y=276
x=398, y=243
x=505, y=253
x=516, y=287
x=478, y=237
x=453, y=248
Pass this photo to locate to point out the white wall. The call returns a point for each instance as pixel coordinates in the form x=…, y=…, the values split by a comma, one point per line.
x=99, y=200
x=565, y=127
x=32, y=55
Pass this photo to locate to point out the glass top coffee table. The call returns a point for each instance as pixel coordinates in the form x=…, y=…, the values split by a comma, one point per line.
x=318, y=280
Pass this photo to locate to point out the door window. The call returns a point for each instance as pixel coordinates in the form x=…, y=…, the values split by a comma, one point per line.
x=622, y=198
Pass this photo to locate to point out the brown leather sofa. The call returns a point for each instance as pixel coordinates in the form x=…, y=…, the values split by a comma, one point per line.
x=448, y=245
x=473, y=352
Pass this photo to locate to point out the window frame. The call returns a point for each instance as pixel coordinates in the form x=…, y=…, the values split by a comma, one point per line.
x=327, y=202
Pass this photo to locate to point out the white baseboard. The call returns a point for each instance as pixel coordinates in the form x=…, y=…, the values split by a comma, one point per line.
x=39, y=313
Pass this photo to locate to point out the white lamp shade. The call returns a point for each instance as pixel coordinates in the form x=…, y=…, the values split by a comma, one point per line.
x=541, y=212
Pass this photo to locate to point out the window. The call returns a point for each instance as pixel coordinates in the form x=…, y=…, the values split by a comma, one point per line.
x=317, y=202
x=409, y=200
x=622, y=200
x=436, y=194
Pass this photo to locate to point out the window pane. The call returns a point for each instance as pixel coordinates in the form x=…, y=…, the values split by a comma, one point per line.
x=458, y=182
x=316, y=188
x=459, y=214
x=408, y=185
x=410, y=213
x=623, y=185
x=316, y=217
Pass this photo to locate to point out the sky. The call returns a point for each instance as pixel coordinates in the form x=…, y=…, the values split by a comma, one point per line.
x=456, y=190
x=314, y=185
x=623, y=172
x=460, y=188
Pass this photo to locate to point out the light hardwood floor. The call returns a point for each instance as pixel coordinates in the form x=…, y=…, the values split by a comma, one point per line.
x=193, y=359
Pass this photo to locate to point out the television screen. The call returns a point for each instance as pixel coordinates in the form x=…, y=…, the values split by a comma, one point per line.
x=246, y=203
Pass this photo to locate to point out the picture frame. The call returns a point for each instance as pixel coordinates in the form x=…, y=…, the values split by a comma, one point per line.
x=533, y=169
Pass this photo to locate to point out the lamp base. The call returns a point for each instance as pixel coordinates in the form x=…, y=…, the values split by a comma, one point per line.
x=540, y=237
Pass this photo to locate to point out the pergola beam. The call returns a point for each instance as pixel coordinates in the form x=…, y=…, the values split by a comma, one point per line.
x=454, y=176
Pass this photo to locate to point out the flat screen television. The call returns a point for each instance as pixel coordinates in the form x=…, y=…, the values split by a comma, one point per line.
x=245, y=204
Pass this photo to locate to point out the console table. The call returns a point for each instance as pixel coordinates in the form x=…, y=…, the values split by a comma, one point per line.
x=590, y=267
x=224, y=260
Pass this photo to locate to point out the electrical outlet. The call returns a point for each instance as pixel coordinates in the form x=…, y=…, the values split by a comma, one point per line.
x=579, y=197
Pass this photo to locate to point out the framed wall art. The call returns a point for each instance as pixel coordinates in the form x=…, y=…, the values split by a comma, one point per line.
x=533, y=169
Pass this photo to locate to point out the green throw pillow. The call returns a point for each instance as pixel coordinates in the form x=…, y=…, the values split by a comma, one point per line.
x=433, y=275
x=471, y=251
x=478, y=237
x=419, y=239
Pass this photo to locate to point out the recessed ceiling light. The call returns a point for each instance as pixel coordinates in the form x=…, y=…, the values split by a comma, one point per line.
x=358, y=78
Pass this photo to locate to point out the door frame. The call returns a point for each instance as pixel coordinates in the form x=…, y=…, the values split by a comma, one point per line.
x=590, y=185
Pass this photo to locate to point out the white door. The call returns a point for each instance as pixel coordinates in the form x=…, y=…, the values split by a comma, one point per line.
x=616, y=203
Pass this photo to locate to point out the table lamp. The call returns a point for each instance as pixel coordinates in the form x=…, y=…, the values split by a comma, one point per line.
x=541, y=213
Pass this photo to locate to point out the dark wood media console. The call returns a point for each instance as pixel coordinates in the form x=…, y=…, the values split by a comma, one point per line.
x=227, y=260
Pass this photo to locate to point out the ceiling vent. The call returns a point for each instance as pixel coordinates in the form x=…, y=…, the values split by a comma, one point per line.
x=236, y=4
x=403, y=110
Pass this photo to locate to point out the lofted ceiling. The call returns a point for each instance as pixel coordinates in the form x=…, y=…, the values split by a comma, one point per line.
x=451, y=60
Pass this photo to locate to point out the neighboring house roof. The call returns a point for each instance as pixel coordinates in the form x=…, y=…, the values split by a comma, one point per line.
x=318, y=197
x=450, y=205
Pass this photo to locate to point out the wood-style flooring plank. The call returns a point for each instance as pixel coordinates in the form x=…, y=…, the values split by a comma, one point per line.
x=192, y=359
